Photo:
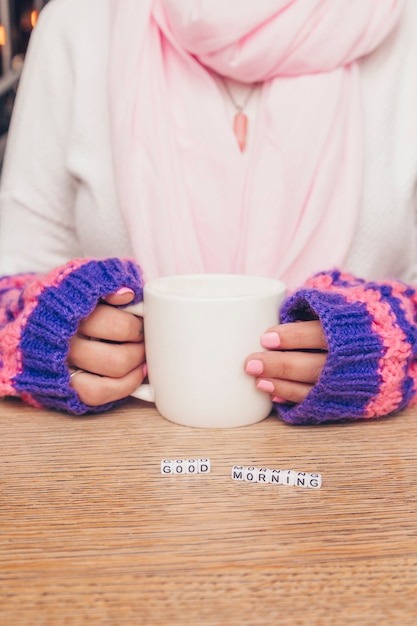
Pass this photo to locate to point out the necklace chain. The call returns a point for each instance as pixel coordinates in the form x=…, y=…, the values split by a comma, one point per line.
x=239, y=107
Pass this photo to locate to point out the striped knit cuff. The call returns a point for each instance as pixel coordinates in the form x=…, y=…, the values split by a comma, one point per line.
x=370, y=330
x=69, y=294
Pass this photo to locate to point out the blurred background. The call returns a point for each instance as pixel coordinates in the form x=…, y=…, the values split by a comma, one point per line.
x=17, y=20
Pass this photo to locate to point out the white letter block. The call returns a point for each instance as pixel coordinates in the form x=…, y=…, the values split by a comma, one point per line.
x=264, y=475
x=237, y=472
x=204, y=466
x=179, y=467
x=275, y=476
x=301, y=479
x=250, y=474
x=191, y=466
x=314, y=481
x=166, y=467
x=288, y=477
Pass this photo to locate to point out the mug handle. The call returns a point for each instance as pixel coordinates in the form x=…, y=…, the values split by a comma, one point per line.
x=145, y=391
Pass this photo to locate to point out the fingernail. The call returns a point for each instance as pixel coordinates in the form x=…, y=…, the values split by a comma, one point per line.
x=270, y=340
x=265, y=385
x=145, y=370
x=123, y=290
x=279, y=399
x=254, y=367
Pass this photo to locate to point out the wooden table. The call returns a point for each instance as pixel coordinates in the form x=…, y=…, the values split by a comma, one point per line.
x=92, y=533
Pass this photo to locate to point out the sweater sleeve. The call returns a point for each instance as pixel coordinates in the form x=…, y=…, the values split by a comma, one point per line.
x=370, y=328
x=37, y=188
x=38, y=316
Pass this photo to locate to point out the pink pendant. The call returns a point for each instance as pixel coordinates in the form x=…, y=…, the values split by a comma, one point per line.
x=240, y=128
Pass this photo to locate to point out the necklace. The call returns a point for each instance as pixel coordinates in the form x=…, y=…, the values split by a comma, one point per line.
x=240, y=120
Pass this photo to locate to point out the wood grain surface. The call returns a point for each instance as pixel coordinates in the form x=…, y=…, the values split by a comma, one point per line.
x=92, y=533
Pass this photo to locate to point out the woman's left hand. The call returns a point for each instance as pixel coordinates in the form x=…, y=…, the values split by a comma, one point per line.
x=296, y=354
x=109, y=351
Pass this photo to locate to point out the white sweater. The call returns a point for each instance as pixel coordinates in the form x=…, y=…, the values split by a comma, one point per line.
x=58, y=197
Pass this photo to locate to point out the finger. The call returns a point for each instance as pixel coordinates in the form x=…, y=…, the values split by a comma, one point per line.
x=95, y=390
x=123, y=296
x=107, y=322
x=295, y=336
x=304, y=367
x=105, y=359
x=284, y=391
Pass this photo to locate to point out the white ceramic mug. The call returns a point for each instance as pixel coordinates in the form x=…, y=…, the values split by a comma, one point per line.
x=199, y=329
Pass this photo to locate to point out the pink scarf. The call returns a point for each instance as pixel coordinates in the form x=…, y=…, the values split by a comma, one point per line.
x=190, y=203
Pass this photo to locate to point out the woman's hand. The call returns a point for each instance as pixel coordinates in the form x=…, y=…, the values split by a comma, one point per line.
x=109, y=349
x=293, y=363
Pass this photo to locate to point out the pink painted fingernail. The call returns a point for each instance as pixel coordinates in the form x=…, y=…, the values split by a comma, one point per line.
x=265, y=385
x=123, y=290
x=145, y=370
x=270, y=340
x=279, y=399
x=254, y=367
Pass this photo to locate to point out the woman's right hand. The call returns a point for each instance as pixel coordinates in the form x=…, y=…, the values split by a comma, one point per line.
x=109, y=349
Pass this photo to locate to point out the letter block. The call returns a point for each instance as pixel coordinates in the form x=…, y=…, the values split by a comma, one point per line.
x=264, y=475
x=204, y=466
x=314, y=481
x=237, y=472
x=179, y=466
x=301, y=479
x=288, y=477
x=191, y=466
x=250, y=474
x=275, y=476
x=166, y=467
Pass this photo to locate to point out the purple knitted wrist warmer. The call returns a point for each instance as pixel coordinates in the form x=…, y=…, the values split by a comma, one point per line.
x=371, y=335
x=51, y=308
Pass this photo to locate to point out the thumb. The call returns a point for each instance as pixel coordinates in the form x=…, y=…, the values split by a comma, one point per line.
x=124, y=295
